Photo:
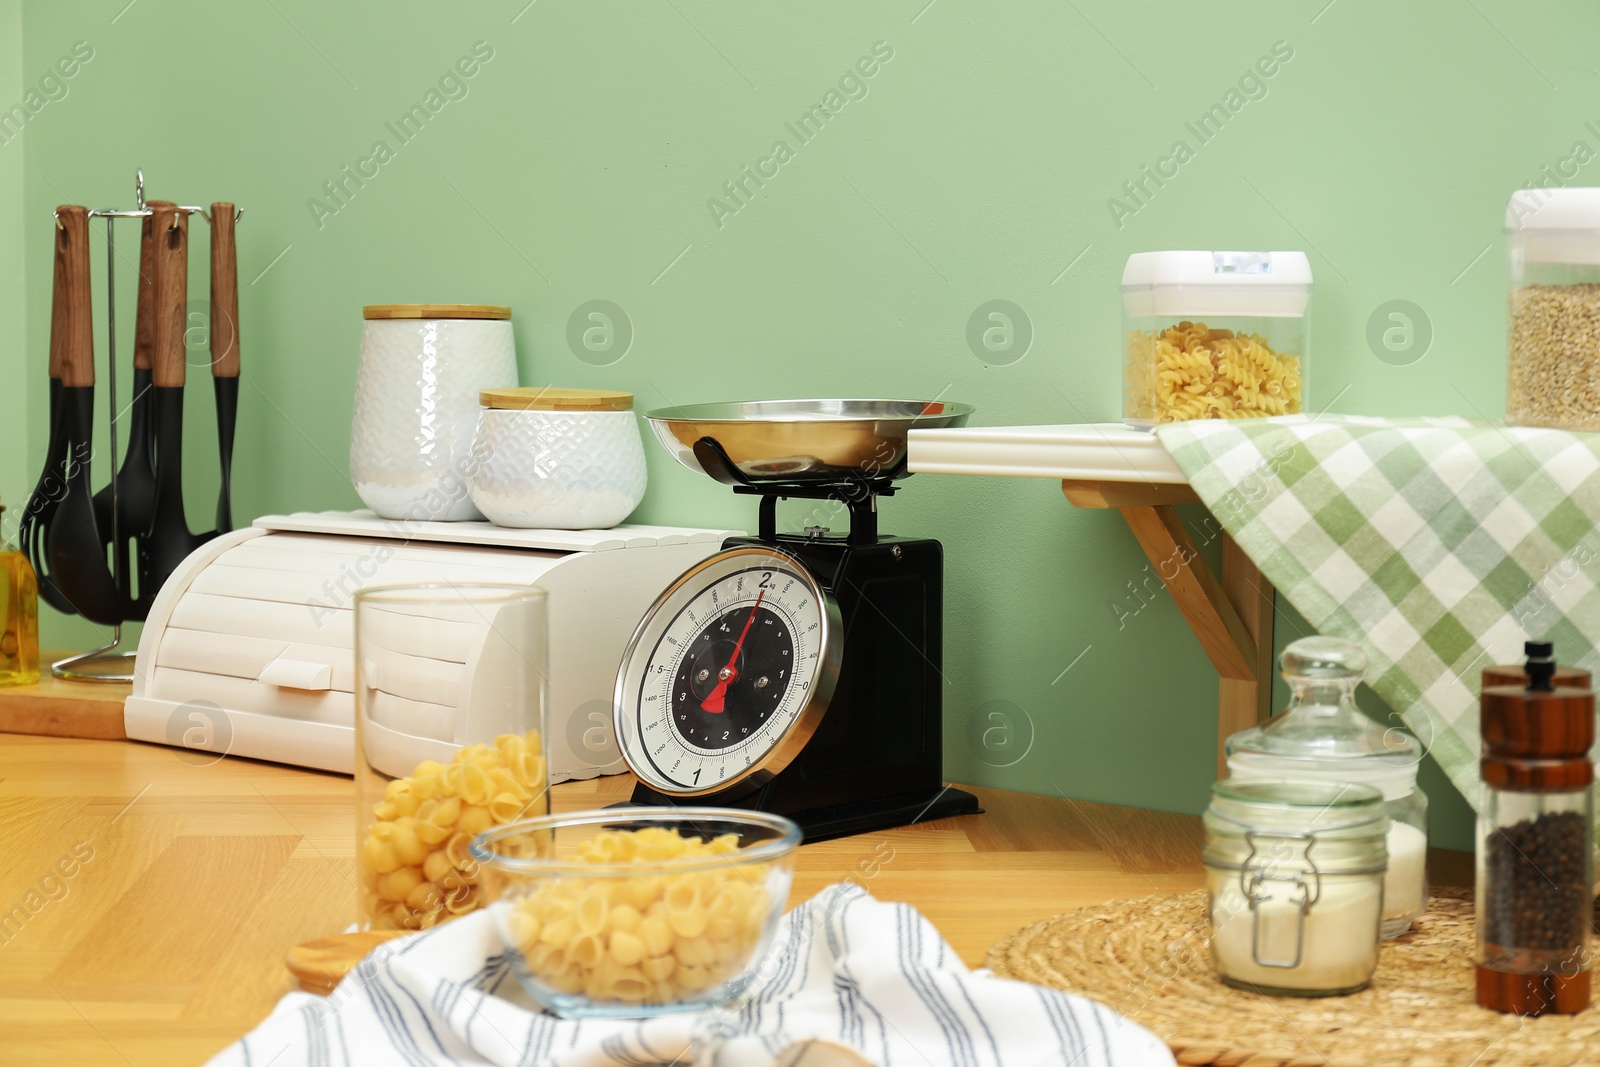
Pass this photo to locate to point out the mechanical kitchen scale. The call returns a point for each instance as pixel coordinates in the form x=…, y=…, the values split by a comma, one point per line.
x=799, y=674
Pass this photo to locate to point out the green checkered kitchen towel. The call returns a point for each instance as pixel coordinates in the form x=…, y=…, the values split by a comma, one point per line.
x=1439, y=544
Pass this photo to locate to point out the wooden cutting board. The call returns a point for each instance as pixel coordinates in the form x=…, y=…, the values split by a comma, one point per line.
x=55, y=708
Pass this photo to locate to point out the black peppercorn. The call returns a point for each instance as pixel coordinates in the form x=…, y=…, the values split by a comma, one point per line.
x=1537, y=890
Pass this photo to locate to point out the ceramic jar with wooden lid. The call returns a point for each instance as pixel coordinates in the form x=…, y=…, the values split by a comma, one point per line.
x=422, y=368
x=557, y=459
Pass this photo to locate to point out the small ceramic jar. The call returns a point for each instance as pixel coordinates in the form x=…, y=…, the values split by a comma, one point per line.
x=557, y=459
x=422, y=368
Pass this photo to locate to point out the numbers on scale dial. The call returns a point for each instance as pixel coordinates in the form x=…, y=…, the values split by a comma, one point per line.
x=735, y=665
x=726, y=686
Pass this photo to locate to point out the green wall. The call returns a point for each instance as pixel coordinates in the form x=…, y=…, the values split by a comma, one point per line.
x=979, y=165
x=14, y=484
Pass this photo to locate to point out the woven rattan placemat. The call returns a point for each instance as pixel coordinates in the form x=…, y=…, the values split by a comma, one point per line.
x=1149, y=960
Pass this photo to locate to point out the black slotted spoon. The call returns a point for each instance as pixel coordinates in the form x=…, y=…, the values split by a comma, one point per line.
x=134, y=493
x=33, y=531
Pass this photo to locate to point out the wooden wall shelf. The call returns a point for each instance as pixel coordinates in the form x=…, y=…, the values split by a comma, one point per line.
x=1113, y=466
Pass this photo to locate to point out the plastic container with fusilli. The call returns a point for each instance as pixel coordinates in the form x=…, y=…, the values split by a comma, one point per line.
x=1214, y=335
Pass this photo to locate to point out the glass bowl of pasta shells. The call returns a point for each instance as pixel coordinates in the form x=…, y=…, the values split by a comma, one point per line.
x=1214, y=335
x=629, y=913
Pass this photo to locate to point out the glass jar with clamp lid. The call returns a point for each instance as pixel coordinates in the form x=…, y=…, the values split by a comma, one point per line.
x=1323, y=736
x=1295, y=876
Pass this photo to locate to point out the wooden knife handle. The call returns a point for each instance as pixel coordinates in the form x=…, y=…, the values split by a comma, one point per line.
x=171, y=294
x=144, y=326
x=224, y=293
x=72, y=314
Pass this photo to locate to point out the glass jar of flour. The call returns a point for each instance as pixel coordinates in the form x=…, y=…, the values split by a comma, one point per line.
x=1324, y=737
x=1295, y=876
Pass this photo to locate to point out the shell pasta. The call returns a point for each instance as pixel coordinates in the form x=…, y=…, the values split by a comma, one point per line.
x=414, y=864
x=643, y=939
x=1190, y=371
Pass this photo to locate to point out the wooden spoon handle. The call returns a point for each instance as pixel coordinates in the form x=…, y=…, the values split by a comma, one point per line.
x=72, y=314
x=224, y=293
x=170, y=295
x=58, y=307
x=144, y=326
x=321, y=963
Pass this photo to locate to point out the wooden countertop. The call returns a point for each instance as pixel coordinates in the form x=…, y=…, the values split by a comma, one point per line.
x=189, y=880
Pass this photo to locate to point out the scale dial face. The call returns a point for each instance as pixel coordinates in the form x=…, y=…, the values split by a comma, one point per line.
x=728, y=674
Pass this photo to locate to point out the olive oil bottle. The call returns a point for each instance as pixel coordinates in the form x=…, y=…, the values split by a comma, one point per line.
x=19, y=615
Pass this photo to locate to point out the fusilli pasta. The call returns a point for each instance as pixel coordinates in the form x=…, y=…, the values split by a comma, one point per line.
x=1190, y=371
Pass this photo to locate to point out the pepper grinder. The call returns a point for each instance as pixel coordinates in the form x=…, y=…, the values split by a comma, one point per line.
x=1534, y=861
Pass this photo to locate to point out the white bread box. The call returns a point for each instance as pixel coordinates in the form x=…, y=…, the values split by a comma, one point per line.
x=248, y=648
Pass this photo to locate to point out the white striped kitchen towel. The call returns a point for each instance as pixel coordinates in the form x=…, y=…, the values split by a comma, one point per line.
x=850, y=980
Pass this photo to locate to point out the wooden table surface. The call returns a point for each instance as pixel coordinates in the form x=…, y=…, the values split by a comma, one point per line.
x=148, y=895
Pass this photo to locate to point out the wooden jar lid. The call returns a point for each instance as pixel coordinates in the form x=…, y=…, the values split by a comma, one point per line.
x=436, y=311
x=529, y=398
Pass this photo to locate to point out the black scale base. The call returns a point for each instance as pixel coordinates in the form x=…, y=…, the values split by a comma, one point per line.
x=843, y=820
x=876, y=759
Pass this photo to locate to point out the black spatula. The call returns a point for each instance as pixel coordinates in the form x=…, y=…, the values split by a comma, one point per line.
x=225, y=347
x=168, y=540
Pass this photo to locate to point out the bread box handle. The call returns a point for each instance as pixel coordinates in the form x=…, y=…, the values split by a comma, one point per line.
x=297, y=674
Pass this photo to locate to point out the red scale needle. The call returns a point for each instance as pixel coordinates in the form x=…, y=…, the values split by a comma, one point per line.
x=714, y=699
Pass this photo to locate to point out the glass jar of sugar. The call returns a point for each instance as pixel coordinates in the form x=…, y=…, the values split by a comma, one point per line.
x=1323, y=736
x=1295, y=875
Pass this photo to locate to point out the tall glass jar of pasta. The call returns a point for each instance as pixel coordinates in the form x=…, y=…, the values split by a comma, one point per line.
x=450, y=728
x=1214, y=335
